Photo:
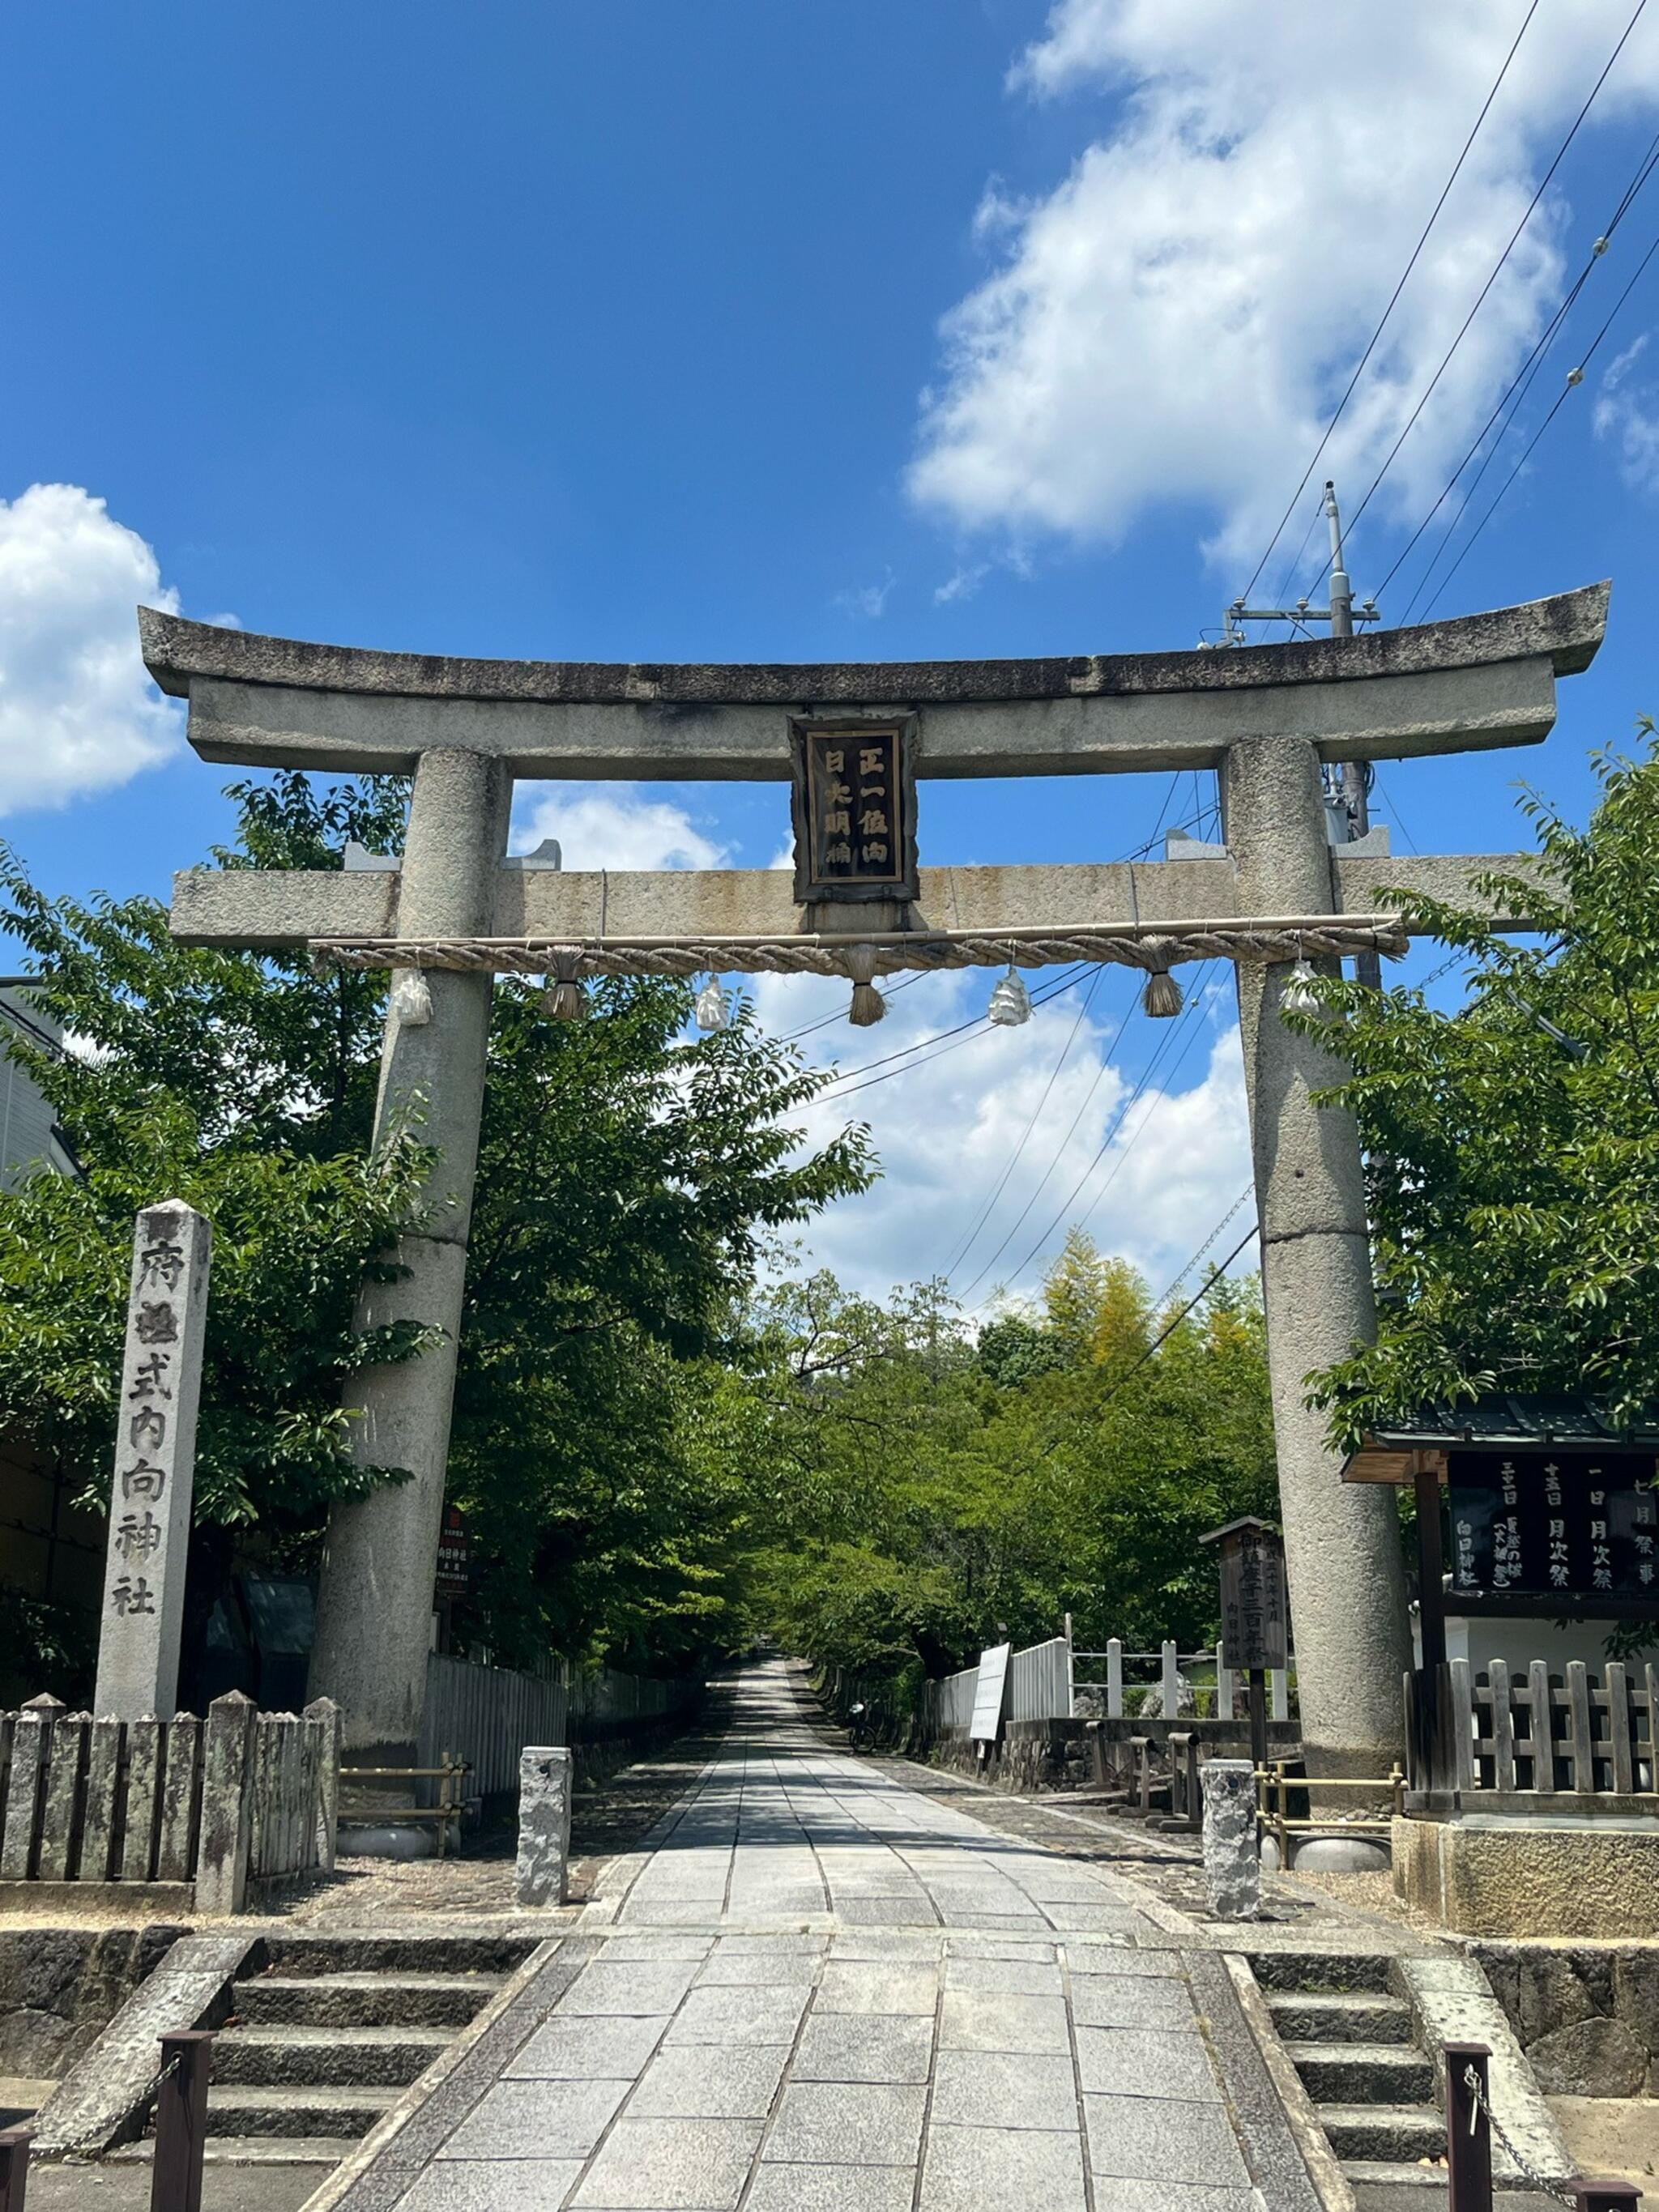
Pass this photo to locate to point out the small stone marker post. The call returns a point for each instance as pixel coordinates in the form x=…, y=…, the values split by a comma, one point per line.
x=155, y=1465
x=543, y=1825
x=1232, y=1861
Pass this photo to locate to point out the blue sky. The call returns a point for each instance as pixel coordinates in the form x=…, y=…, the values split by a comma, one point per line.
x=835, y=329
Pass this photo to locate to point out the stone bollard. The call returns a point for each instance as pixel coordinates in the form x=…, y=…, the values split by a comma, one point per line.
x=1233, y=1865
x=543, y=1826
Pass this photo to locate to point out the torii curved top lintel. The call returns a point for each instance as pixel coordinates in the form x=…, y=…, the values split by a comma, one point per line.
x=1568, y=629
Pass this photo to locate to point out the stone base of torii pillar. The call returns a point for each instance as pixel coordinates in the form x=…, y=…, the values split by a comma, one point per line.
x=1266, y=717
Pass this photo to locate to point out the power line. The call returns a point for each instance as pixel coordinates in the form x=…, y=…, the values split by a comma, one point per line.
x=892, y=991
x=1145, y=1077
x=1037, y=1188
x=1206, y=1245
x=985, y=1212
x=978, y=1024
x=1498, y=267
x=1176, y=1066
x=1014, y=1158
x=1519, y=385
x=1165, y=1334
x=947, y=1041
x=1394, y=299
x=1575, y=378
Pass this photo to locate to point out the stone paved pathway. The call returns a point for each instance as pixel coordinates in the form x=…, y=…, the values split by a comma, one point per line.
x=820, y=1991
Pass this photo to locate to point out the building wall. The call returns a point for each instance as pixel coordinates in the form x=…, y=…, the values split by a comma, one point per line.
x=26, y=1119
x=50, y=1552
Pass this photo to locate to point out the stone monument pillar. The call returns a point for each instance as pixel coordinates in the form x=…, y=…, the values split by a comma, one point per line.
x=155, y=1465
x=374, y=1603
x=543, y=1862
x=1341, y=1540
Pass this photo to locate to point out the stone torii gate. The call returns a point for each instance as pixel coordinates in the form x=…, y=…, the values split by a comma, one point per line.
x=1266, y=717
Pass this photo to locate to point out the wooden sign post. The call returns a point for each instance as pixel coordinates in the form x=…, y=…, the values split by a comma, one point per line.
x=1254, y=1614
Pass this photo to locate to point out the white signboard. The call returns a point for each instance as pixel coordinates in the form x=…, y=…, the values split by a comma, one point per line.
x=990, y=1693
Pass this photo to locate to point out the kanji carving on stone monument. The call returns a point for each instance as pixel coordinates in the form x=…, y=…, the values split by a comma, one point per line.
x=155, y=1465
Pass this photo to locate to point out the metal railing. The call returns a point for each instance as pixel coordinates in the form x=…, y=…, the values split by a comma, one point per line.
x=446, y=1811
x=1274, y=1782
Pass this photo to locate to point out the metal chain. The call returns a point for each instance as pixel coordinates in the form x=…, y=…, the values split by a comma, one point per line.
x=141, y=2103
x=1528, y=2173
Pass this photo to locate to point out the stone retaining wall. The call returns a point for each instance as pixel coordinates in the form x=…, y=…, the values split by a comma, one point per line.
x=1586, y=2015
x=1030, y=1755
x=60, y=1987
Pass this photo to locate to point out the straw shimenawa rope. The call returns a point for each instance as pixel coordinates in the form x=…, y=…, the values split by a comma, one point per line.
x=864, y=955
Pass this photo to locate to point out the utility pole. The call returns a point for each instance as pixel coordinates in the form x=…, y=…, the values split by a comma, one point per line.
x=1356, y=783
x=1351, y=781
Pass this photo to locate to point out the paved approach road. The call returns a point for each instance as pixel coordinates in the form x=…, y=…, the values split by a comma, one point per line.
x=820, y=1991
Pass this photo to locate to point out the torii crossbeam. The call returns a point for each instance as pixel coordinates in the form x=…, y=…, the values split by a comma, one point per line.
x=1266, y=717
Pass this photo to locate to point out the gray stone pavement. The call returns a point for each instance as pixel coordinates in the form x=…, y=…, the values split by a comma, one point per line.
x=820, y=1991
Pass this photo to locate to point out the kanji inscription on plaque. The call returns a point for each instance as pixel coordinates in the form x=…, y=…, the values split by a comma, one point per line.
x=854, y=811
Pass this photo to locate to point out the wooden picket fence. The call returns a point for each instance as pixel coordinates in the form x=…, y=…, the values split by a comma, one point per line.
x=1527, y=1738
x=229, y=1804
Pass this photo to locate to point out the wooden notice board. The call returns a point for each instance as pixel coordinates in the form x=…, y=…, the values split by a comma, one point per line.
x=990, y=1694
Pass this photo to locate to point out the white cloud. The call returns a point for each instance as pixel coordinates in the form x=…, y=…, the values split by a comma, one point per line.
x=1628, y=415
x=598, y=828
x=1176, y=320
x=963, y=584
x=867, y=602
x=945, y=1132
x=77, y=712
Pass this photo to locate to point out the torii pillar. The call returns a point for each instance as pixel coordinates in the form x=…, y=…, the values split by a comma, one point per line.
x=1265, y=717
x=374, y=1597
x=1341, y=1544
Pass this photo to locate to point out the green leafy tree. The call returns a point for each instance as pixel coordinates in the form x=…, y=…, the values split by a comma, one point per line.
x=1512, y=1147
x=625, y=1181
x=927, y=1496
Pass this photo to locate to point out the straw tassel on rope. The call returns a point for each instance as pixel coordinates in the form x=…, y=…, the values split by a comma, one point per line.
x=565, y=1001
x=868, y=1005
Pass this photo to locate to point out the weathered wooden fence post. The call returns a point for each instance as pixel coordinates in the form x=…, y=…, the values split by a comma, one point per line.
x=1170, y=1676
x=13, y=2166
x=1468, y=2128
x=181, y=2121
x=221, y=1862
x=1115, y=1678
x=1593, y=2196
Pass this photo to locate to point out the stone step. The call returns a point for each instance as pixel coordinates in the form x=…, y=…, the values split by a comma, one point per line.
x=394, y=1954
x=1379, y=2186
x=1339, y=2016
x=283, y=2110
x=322, y=2152
x=1322, y=1972
x=1363, y=2073
x=1399, y=2133
x=365, y=2057
x=363, y=2000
